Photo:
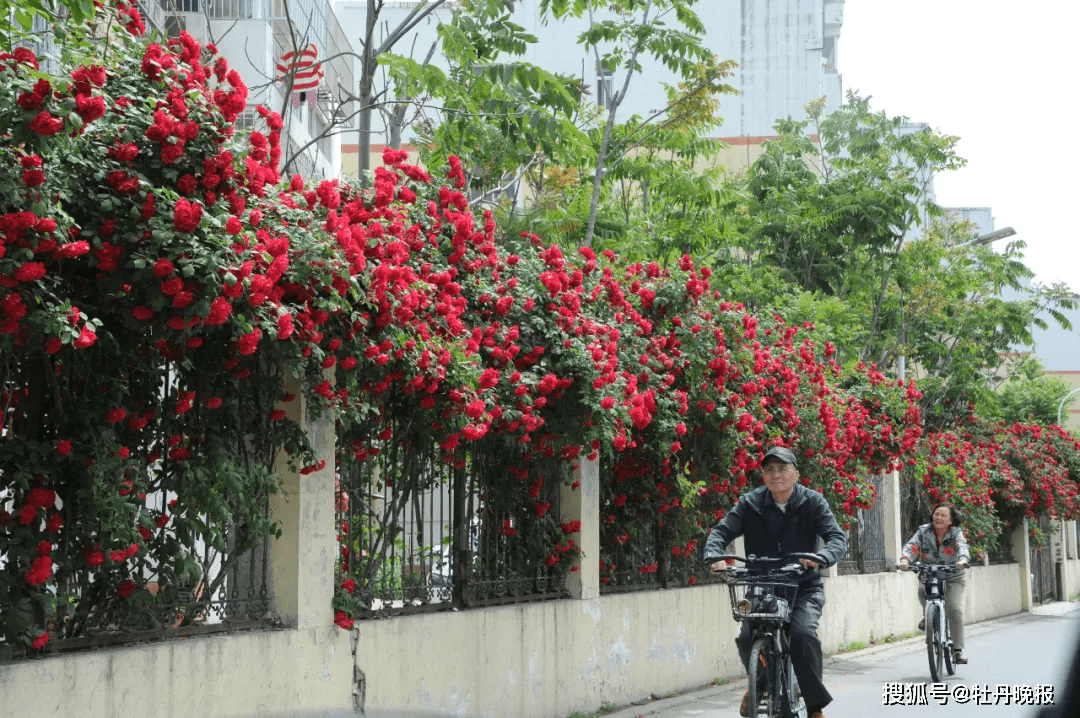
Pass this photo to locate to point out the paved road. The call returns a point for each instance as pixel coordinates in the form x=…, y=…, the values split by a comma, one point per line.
x=1024, y=650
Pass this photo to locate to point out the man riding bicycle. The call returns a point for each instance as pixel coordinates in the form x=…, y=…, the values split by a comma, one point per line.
x=776, y=519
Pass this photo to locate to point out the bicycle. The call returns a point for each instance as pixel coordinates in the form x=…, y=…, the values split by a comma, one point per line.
x=939, y=647
x=763, y=593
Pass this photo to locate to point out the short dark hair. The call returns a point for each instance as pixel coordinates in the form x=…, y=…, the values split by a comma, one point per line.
x=955, y=516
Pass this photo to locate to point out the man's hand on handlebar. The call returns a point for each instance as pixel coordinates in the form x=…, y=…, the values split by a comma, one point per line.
x=903, y=565
x=808, y=564
x=719, y=568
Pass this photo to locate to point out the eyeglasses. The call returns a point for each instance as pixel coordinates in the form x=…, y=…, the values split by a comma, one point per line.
x=778, y=470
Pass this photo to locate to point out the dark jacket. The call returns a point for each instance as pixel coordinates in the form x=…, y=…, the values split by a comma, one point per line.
x=768, y=531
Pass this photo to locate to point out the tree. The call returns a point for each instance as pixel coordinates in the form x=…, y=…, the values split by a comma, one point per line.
x=849, y=218
x=1029, y=395
x=501, y=117
x=630, y=31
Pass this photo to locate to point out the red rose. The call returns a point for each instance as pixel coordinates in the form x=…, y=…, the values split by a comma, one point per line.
x=45, y=123
x=89, y=108
x=142, y=313
x=33, y=178
x=125, y=589
x=75, y=249
x=25, y=56
x=63, y=447
x=30, y=100
x=86, y=338
x=172, y=287
x=30, y=272
x=163, y=267
x=285, y=326
x=343, y=621
x=116, y=415
x=40, y=641
x=171, y=153
x=249, y=342
x=186, y=215
x=40, y=571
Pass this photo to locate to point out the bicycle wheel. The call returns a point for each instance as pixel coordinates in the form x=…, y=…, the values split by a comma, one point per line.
x=794, y=705
x=946, y=649
x=762, y=699
x=933, y=641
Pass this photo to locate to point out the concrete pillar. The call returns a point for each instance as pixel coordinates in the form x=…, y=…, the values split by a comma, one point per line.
x=302, y=560
x=1069, y=532
x=1021, y=551
x=1056, y=543
x=889, y=499
x=583, y=504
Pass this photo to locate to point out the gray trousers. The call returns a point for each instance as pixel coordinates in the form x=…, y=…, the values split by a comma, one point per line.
x=954, y=610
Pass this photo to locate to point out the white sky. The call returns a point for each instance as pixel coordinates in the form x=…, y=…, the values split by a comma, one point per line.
x=1001, y=75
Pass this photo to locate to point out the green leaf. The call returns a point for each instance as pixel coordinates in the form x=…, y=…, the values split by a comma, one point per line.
x=25, y=19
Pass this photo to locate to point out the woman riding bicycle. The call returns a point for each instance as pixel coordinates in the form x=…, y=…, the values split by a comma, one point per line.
x=942, y=541
x=779, y=518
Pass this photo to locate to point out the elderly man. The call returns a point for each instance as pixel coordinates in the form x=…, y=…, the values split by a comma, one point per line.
x=776, y=519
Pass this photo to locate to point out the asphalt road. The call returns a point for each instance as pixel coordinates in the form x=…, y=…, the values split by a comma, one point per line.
x=1019, y=653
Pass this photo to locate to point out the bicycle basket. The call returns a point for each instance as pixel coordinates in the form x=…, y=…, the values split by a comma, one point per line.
x=757, y=599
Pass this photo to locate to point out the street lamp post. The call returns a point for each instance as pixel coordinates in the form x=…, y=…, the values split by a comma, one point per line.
x=1062, y=404
x=988, y=237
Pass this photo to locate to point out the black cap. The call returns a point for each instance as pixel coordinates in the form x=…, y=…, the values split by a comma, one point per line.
x=781, y=453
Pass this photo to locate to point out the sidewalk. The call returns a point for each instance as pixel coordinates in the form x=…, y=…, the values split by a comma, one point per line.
x=723, y=700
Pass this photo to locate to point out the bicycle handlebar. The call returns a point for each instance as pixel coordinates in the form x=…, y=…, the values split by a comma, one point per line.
x=762, y=562
x=949, y=570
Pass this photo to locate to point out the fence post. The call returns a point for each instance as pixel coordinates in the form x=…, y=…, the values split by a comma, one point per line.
x=890, y=518
x=1022, y=553
x=583, y=504
x=302, y=560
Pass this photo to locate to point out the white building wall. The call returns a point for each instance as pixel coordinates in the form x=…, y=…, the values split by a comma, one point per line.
x=245, y=37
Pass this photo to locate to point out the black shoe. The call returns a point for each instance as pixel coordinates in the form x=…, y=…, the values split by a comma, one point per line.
x=922, y=624
x=958, y=657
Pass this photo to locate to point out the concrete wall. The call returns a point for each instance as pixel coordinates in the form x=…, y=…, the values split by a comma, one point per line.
x=551, y=659
x=258, y=673
x=538, y=660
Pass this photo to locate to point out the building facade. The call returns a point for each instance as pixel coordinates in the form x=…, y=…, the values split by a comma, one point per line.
x=254, y=36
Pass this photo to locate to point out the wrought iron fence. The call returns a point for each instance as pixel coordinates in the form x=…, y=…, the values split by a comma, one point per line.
x=643, y=563
x=417, y=533
x=866, y=539
x=225, y=589
x=192, y=575
x=630, y=562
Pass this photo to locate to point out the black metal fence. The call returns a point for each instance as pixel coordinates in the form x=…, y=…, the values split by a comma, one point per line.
x=866, y=539
x=643, y=561
x=220, y=588
x=417, y=533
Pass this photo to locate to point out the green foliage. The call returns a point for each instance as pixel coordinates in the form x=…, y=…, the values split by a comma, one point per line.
x=1029, y=395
